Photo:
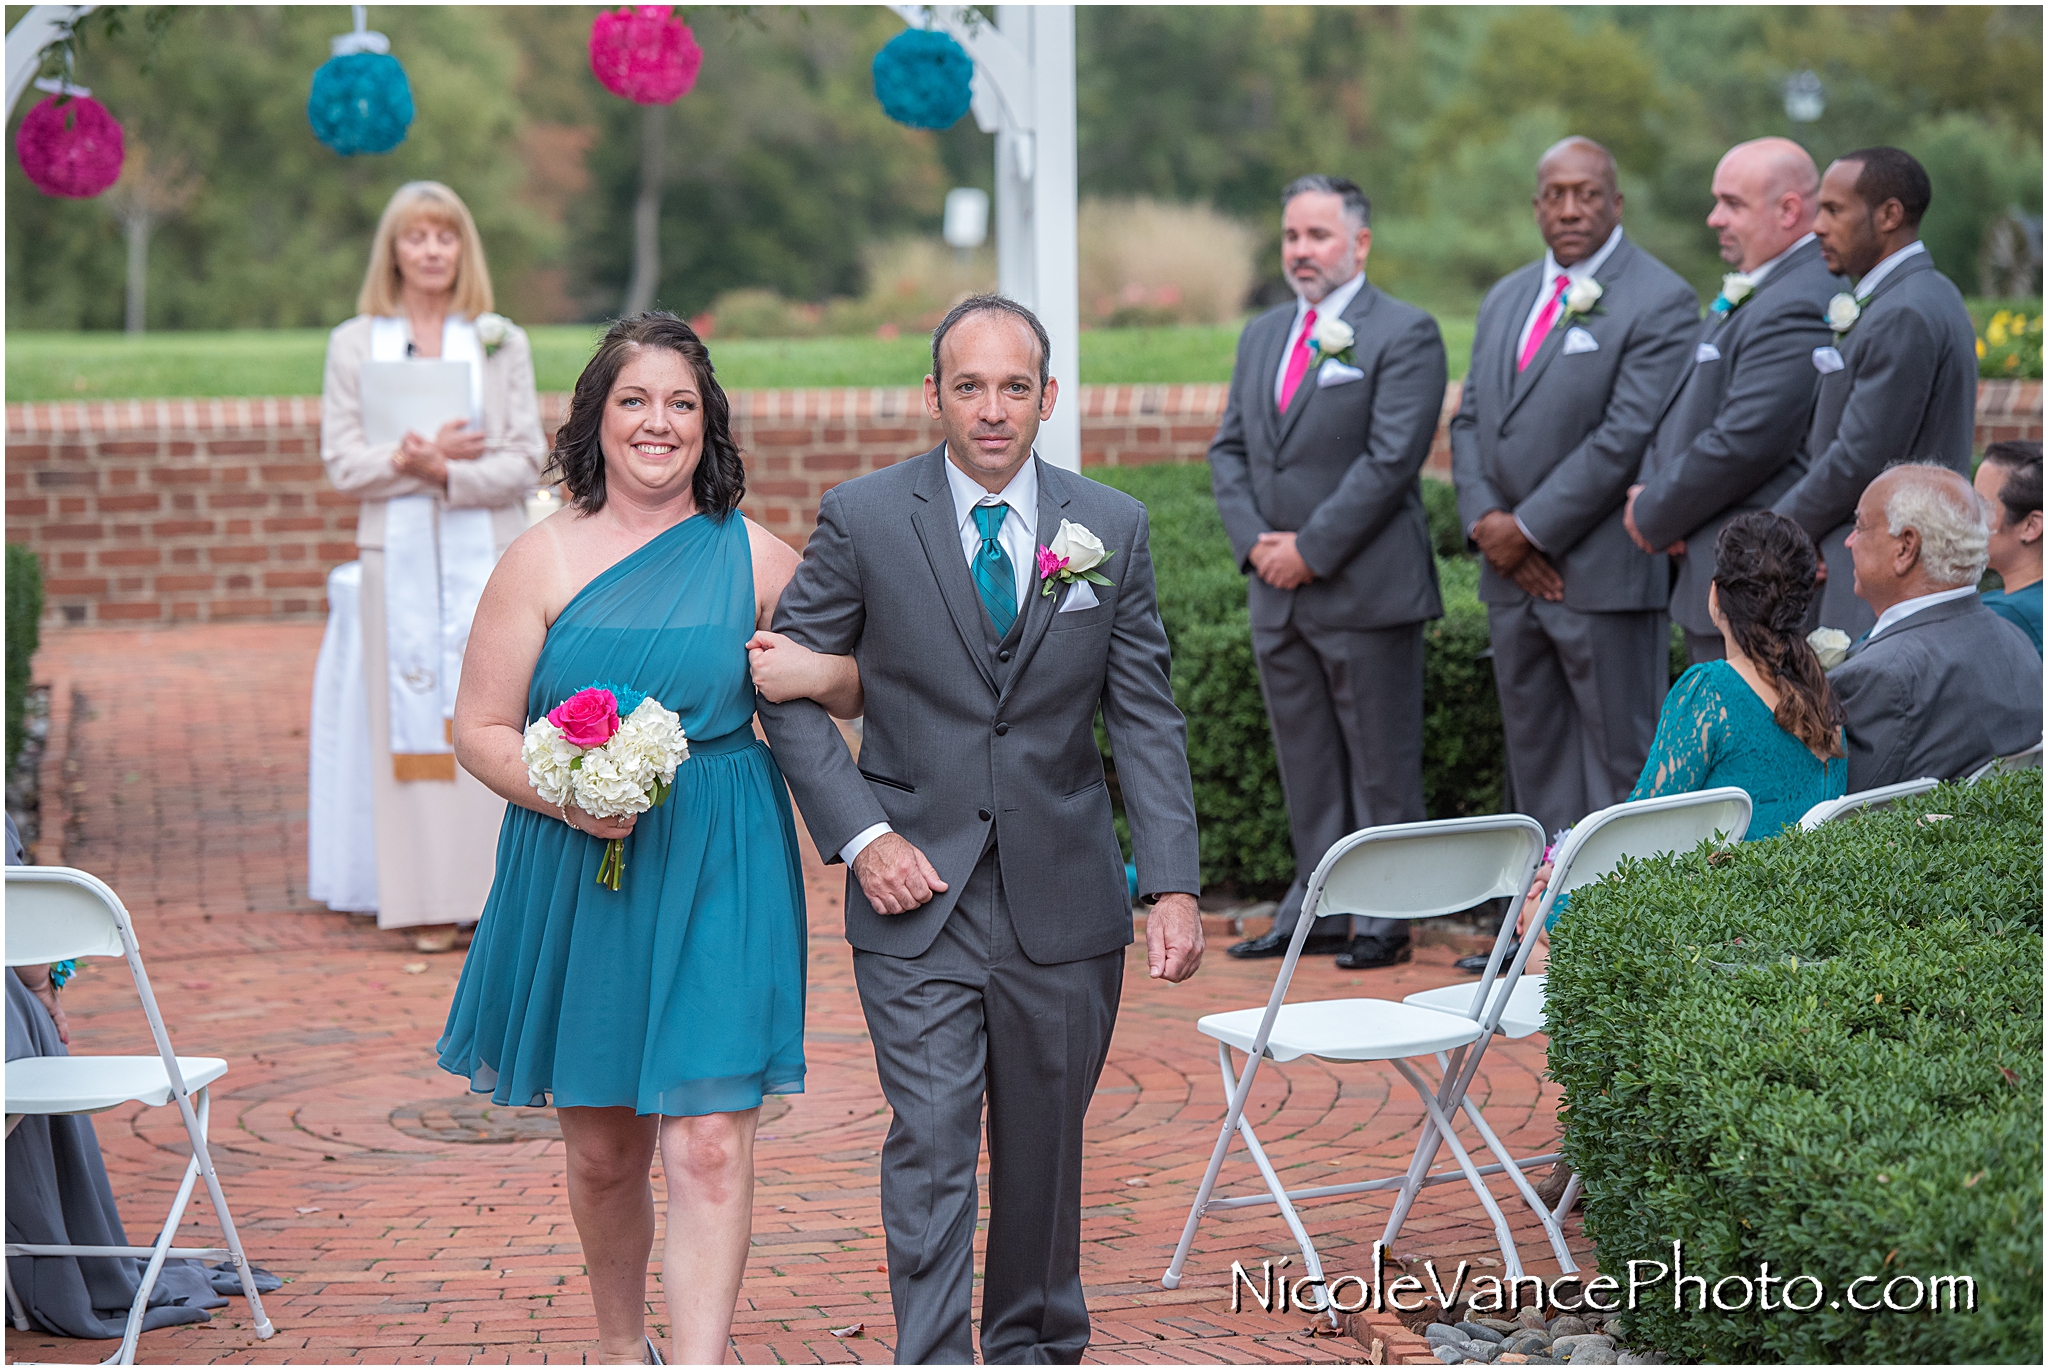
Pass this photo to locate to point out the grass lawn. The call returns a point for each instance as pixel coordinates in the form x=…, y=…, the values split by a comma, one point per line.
x=83, y=366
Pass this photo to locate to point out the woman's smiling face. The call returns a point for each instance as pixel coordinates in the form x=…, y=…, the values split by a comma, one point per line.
x=653, y=431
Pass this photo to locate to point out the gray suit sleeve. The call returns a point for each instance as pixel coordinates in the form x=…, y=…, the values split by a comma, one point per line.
x=1148, y=736
x=1408, y=397
x=1887, y=400
x=1769, y=396
x=1876, y=705
x=1230, y=467
x=1593, y=479
x=822, y=609
x=1476, y=495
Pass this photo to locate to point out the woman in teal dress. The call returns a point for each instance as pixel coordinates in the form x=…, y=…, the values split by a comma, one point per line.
x=2009, y=479
x=660, y=1013
x=1764, y=719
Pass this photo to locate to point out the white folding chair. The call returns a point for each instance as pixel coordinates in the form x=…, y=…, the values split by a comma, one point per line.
x=1828, y=810
x=1406, y=870
x=2030, y=759
x=55, y=913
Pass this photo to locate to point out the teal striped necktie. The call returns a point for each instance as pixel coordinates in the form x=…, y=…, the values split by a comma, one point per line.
x=993, y=574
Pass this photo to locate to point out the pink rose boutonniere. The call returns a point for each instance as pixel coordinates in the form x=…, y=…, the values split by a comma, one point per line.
x=1073, y=555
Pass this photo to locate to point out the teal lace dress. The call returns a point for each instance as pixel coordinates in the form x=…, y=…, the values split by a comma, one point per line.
x=683, y=992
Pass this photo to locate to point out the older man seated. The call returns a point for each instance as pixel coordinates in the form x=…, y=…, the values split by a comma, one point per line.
x=1941, y=685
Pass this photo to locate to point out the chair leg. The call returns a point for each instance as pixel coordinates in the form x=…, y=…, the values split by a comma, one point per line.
x=14, y=1308
x=1236, y=1097
x=1312, y=1264
x=1571, y=1194
x=1509, y=1254
x=1551, y=1229
x=132, y=1334
x=202, y=1157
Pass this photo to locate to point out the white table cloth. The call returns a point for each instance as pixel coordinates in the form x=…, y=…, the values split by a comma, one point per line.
x=341, y=840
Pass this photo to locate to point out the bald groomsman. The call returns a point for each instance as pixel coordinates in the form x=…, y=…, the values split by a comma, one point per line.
x=1899, y=380
x=1731, y=436
x=1571, y=362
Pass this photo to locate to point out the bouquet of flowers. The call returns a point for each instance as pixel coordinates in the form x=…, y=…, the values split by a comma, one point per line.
x=609, y=749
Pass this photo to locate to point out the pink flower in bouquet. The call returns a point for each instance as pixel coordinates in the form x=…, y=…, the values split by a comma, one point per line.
x=587, y=718
x=1050, y=563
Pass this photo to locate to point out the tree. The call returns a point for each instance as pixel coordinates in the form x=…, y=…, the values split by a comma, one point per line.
x=151, y=189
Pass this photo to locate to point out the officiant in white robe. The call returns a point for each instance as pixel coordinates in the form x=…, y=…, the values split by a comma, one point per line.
x=438, y=508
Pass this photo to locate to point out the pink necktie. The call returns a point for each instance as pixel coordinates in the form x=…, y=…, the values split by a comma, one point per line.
x=1544, y=322
x=1297, y=362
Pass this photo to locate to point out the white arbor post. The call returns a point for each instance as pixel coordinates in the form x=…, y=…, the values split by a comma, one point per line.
x=37, y=29
x=1024, y=94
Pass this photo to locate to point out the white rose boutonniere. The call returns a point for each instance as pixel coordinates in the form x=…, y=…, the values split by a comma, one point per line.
x=1831, y=645
x=1843, y=311
x=1333, y=339
x=1581, y=300
x=1073, y=554
x=492, y=330
x=1736, y=287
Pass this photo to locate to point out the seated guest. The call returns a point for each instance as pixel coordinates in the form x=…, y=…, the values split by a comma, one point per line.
x=1764, y=719
x=2010, y=482
x=1941, y=685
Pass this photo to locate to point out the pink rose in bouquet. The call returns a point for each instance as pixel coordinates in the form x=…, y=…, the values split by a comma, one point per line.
x=587, y=718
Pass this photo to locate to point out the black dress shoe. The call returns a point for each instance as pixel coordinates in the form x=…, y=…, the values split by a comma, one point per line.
x=1475, y=964
x=1373, y=953
x=1275, y=944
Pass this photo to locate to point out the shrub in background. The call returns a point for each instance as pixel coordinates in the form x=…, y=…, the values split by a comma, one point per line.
x=24, y=633
x=1243, y=816
x=1145, y=262
x=1821, y=1051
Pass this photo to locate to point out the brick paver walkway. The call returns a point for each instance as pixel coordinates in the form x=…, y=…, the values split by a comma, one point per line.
x=359, y=1172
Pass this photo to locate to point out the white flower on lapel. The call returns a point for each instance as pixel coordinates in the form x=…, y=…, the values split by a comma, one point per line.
x=1581, y=298
x=1736, y=287
x=1073, y=554
x=1843, y=312
x=1831, y=645
x=492, y=330
x=1333, y=338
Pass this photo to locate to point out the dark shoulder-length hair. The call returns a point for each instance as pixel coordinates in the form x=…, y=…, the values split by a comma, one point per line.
x=578, y=458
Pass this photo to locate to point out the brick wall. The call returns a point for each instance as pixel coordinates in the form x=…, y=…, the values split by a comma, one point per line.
x=155, y=511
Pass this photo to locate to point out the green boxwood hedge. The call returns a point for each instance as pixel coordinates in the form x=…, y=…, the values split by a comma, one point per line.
x=1230, y=747
x=24, y=633
x=1820, y=1051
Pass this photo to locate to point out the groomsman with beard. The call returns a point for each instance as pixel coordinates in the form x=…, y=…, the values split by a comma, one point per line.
x=1333, y=402
x=1730, y=438
x=1899, y=381
x=1571, y=362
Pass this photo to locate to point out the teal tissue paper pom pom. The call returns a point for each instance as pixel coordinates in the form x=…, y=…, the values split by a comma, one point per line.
x=922, y=78
x=361, y=102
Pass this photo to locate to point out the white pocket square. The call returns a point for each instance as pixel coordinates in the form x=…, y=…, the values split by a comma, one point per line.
x=1826, y=359
x=1081, y=596
x=1579, y=340
x=1335, y=372
x=1707, y=353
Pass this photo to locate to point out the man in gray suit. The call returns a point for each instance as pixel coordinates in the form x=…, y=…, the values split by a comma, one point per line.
x=1941, y=685
x=1729, y=437
x=1571, y=361
x=987, y=905
x=1899, y=381
x=1316, y=465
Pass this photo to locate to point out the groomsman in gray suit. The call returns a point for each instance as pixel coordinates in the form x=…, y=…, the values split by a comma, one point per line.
x=1572, y=360
x=1316, y=465
x=1899, y=380
x=996, y=605
x=1729, y=438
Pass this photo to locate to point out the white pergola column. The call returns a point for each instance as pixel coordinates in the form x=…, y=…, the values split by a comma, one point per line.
x=36, y=30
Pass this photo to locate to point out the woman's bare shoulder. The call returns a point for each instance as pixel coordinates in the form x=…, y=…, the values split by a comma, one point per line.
x=534, y=568
x=770, y=552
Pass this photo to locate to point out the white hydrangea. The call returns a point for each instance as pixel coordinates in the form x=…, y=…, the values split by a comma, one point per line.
x=607, y=789
x=548, y=757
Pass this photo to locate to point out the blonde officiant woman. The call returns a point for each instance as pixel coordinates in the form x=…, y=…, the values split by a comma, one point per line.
x=438, y=508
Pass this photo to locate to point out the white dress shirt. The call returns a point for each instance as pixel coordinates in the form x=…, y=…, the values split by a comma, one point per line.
x=1876, y=274
x=1331, y=306
x=1578, y=271
x=1906, y=608
x=1018, y=537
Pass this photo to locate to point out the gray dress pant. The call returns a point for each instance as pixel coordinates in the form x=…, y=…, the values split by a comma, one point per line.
x=972, y=1017
x=1579, y=699
x=1346, y=710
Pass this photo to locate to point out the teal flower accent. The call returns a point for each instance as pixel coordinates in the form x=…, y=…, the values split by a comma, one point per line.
x=627, y=698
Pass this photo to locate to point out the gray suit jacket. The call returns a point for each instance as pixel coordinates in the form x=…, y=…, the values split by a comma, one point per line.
x=1341, y=468
x=1938, y=693
x=1730, y=438
x=960, y=747
x=1907, y=392
x=1559, y=444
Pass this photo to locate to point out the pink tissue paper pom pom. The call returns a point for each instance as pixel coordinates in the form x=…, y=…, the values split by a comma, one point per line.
x=71, y=148
x=645, y=54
